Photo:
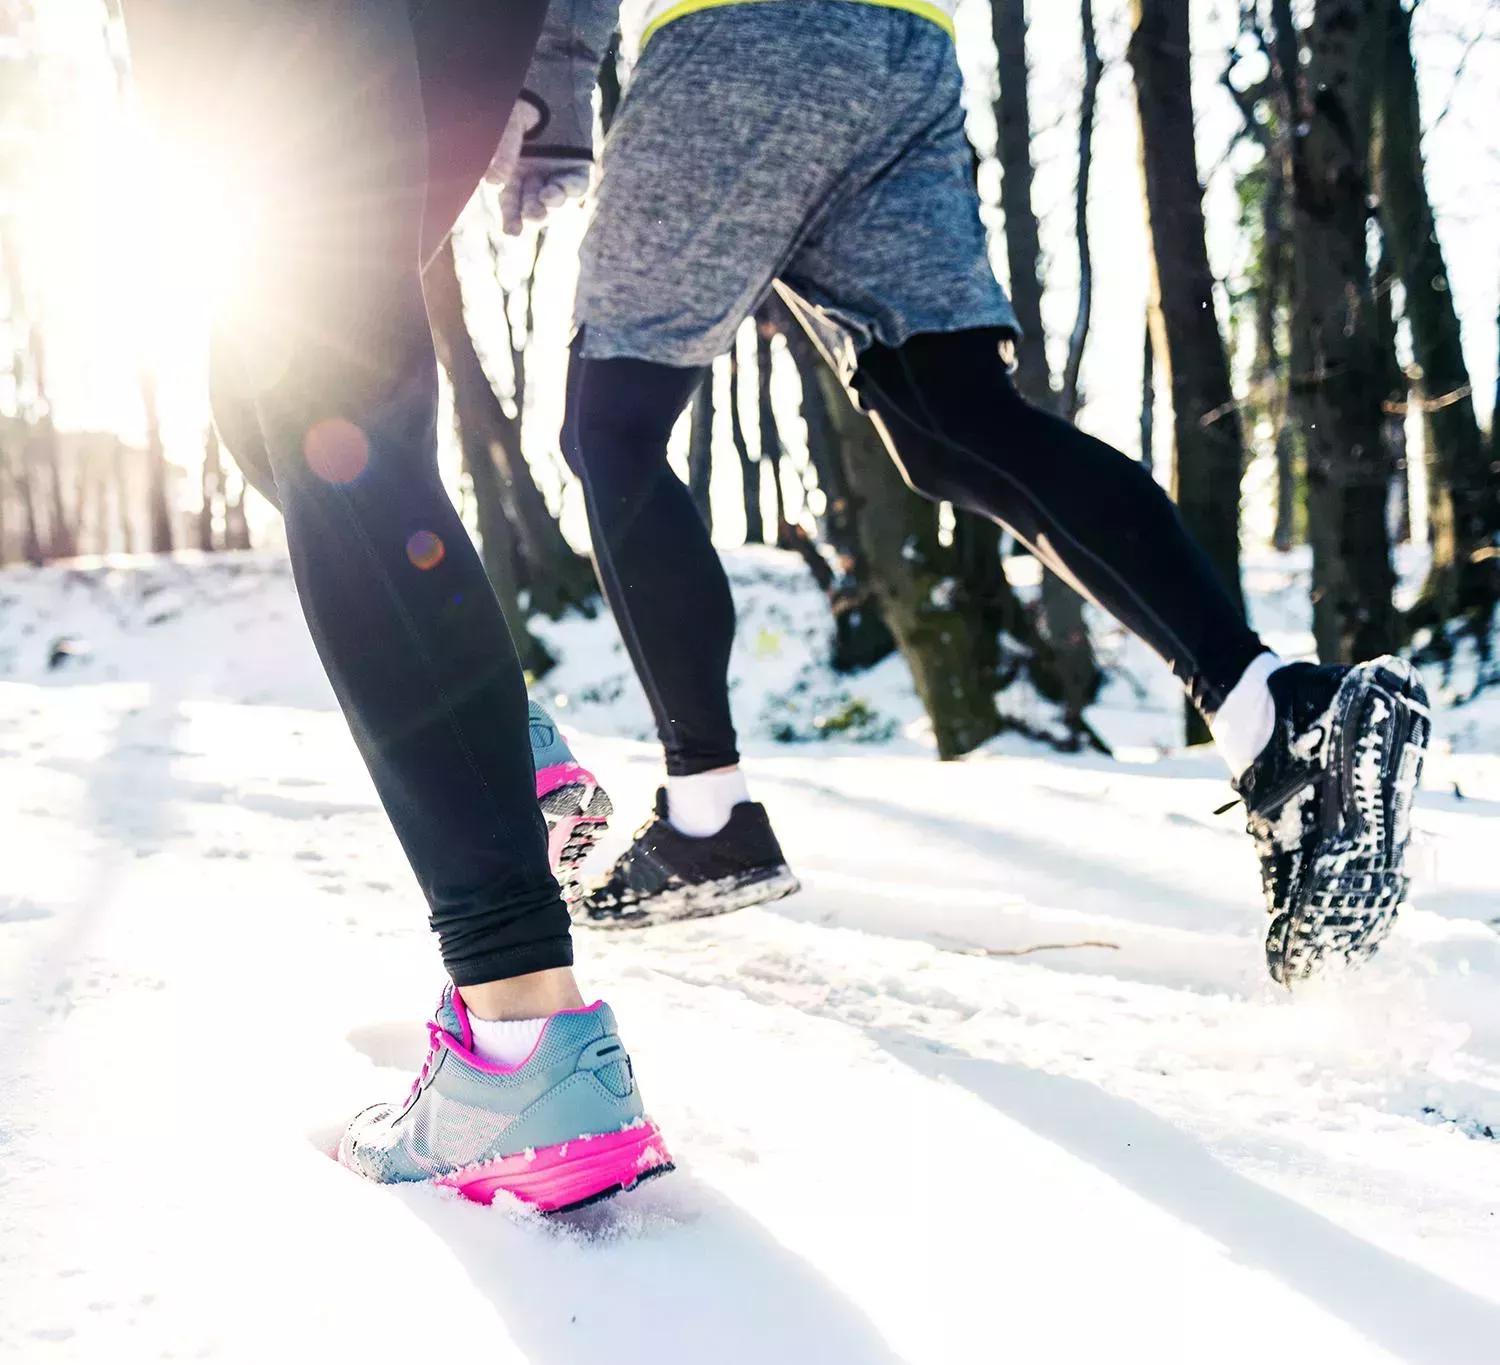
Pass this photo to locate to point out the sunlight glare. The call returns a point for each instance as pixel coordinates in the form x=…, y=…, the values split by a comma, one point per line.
x=193, y=230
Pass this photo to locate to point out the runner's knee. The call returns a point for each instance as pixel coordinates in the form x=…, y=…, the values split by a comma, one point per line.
x=949, y=408
x=620, y=415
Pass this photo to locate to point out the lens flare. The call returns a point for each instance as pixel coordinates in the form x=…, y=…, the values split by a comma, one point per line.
x=425, y=550
x=336, y=451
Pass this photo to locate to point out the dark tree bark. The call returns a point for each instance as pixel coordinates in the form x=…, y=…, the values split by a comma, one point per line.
x=1270, y=379
x=1093, y=69
x=755, y=521
x=556, y=578
x=943, y=645
x=1208, y=443
x=1288, y=85
x=1062, y=608
x=1397, y=396
x=1284, y=533
x=861, y=637
x=1023, y=239
x=482, y=427
x=1339, y=376
x=1148, y=396
x=496, y=549
x=1271, y=373
x=158, y=513
x=1209, y=447
x=700, y=448
x=771, y=448
x=1465, y=498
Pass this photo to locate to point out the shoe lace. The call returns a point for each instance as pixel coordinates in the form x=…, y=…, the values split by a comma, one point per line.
x=437, y=1037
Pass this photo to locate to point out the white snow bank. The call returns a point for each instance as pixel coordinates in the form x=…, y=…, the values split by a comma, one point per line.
x=893, y=1146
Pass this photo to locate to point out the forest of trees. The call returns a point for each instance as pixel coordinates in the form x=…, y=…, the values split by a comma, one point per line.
x=1342, y=325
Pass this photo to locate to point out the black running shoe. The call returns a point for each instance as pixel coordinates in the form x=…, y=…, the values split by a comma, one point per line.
x=665, y=876
x=1329, y=802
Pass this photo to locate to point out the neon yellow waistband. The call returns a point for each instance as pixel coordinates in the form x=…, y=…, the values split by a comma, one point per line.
x=921, y=8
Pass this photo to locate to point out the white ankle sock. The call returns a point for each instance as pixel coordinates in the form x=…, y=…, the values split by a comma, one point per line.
x=506, y=1042
x=1247, y=719
x=701, y=805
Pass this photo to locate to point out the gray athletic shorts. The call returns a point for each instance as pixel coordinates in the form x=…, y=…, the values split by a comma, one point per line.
x=816, y=142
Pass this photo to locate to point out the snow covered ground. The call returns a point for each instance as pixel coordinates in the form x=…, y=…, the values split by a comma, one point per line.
x=895, y=1144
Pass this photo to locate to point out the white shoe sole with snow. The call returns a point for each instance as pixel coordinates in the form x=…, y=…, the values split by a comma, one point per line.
x=707, y=899
x=1374, y=742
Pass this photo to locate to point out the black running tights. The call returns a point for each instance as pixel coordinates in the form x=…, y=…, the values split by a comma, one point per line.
x=960, y=432
x=356, y=130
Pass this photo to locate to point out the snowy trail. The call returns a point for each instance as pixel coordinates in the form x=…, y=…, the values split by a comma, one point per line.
x=890, y=1150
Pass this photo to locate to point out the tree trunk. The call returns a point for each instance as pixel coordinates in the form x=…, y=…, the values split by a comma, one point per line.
x=236, y=525
x=122, y=498
x=1023, y=240
x=210, y=483
x=1093, y=69
x=1270, y=377
x=62, y=538
x=1273, y=372
x=475, y=408
x=700, y=448
x=1464, y=580
x=1148, y=397
x=1062, y=607
x=158, y=513
x=943, y=646
x=1291, y=444
x=1209, y=451
x=1397, y=396
x=1341, y=376
x=861, y=637
x=497, y=550
x=556, y=577
x=755, y=521
x=31, y=547
x=1284, y=534
x=771, y=449
x=62, y=541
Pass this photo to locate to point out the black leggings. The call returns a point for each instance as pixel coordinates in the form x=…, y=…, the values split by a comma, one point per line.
x=960, y=432
x=361, y=128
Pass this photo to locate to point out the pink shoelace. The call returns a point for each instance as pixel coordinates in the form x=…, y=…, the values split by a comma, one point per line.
x=437, y=1040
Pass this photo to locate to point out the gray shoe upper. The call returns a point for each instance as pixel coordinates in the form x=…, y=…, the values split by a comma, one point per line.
x=463, y=1112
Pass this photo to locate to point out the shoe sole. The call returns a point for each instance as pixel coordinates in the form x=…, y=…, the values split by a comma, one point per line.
x=577, y=810
x=571, y=1175
x=1356, y=879
x=704, y=901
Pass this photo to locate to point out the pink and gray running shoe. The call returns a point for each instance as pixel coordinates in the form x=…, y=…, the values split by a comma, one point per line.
x=563, y=1129
x=575, y=806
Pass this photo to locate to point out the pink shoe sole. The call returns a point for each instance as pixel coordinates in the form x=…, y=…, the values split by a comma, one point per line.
x=577, y=812
x=568, y=1176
